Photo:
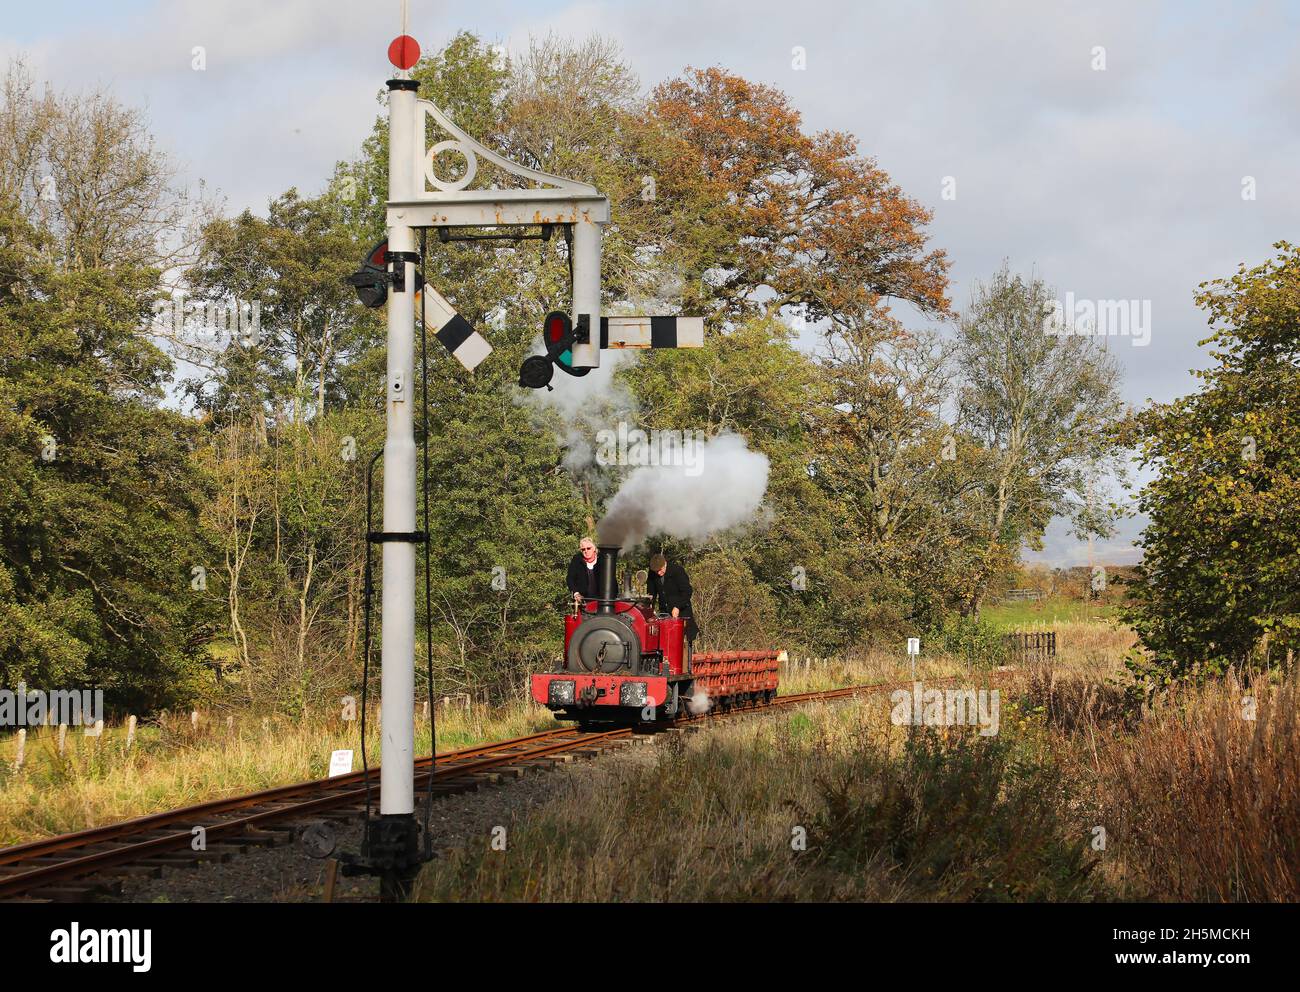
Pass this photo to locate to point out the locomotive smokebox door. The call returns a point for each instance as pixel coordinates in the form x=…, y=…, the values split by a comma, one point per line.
x=604, y=643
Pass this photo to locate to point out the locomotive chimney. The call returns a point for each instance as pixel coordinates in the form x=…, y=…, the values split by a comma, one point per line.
x=607, y=569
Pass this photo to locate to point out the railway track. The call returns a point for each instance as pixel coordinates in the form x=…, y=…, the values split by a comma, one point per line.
x=73, y=867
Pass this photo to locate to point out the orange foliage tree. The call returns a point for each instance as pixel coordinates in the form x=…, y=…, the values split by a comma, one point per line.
x=772, y=217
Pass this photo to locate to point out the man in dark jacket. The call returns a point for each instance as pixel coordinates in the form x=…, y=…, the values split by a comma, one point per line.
x=671, y=586
x=582, y=580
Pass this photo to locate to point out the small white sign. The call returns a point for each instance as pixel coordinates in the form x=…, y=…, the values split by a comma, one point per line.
x=340, y=763
x=913, y=645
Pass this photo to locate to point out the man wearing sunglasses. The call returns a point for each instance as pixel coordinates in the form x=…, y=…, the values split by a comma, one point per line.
x=582, y=580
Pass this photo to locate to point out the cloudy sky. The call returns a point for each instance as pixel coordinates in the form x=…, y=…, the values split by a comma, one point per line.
x=1123, y=150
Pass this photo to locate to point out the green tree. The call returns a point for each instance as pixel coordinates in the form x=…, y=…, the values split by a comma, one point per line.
x=1220, y=578
x=289, y=426
x=99, y=499
x=1044, y=405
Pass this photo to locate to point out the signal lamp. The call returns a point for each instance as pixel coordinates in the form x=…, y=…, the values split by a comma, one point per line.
x=371, y=280
x=535, y=372
x=558, y=339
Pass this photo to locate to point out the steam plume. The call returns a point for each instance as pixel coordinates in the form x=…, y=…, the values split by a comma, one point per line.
x=584, y=405
x=726, y=490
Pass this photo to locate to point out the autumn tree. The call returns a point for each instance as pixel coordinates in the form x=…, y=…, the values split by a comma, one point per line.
x=772, y=217
x=764, y=221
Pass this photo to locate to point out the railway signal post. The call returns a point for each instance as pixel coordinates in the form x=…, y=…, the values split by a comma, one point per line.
x=531, y=205
x=419, y=197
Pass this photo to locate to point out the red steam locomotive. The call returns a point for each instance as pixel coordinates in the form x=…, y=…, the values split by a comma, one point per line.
x=623, y=664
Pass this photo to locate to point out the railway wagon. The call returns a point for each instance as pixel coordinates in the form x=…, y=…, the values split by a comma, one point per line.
x=623, y=664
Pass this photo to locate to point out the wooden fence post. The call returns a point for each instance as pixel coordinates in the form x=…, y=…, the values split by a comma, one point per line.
x=63, y=737
x=22, y=750
x=130, y=732
x=194, y=720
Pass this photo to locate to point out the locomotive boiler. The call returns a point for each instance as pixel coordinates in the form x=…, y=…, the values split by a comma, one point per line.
x=624, y=664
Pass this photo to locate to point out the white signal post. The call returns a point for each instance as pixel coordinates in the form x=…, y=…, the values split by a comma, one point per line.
x=586, y=292
x=397, y=768
x=419, y=197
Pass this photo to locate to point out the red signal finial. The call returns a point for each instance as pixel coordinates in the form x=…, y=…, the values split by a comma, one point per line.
x=404, y=52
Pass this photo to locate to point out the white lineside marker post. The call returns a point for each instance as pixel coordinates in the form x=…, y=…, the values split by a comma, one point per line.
x=130, y=732
x=63, y=737
x=194, y=720
x=22, y=751
x=340, y=763
x=913, y=649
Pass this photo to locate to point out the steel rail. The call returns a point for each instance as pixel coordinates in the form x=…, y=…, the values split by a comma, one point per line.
x=45, y=875
x=153, y=821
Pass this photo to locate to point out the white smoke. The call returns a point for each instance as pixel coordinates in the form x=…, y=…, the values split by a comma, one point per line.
x=724, y=488
x=698, y=703
x=585, y=405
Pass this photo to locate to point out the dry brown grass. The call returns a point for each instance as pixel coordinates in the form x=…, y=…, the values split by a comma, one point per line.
x=100, y=781
x=810, y=674
x=885, y=814
x=1203, y=801
x=1198, y=801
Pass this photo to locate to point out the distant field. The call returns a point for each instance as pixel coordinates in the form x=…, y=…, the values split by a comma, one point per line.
x=1016, y=616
